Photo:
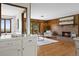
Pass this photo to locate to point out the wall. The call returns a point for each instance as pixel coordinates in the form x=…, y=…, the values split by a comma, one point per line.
x=42, y=27
x=67, y=28
x=28, y=6
x=42, y=24
x=53, y=23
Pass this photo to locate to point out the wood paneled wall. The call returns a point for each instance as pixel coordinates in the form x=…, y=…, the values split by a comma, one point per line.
x=23, y=24
x=43, y=24
x=43, y=27
x=53, y=22
x=0, y=19
x=77, y=22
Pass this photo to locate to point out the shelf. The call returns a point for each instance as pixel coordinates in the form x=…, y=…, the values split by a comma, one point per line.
x=63, y=23
x=66, y=21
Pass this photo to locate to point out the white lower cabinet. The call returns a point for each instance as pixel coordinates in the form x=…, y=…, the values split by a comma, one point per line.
x=18, y=47
x=9, y=52
x=76, y=40
x=10, y=48
x=29, y=48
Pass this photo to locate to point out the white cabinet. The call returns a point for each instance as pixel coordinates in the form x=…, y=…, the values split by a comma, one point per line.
x=10, y=47
x=9, y=52
x=22, y=46
x=30, y=46
x=76, y=40
x=77, y=44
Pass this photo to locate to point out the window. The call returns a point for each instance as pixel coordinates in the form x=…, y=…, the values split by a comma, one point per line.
x=2, y=25
x=5, y=25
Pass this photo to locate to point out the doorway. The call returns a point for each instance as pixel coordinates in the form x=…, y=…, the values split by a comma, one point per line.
x=18, y=25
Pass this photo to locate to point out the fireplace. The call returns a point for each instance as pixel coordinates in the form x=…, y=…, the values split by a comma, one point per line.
x=66, y=34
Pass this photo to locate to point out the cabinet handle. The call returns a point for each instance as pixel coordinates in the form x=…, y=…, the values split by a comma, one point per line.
x=23, y=48
x=30, y=40
x=18, y=49
x=9, y=44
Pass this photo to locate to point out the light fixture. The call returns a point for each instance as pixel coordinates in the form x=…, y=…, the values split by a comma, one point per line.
x=42, y=16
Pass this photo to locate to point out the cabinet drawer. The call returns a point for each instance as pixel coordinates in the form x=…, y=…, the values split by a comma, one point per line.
x=29, y=42
x=5, y=44
x=9, y=43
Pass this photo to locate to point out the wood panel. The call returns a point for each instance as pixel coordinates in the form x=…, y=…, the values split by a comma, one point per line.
x=42, y=26
x=37, y=20
x=76, y=22
x=41, y=23
x=0, y=19
x=45, y=24
x=76, y=19
x=15, y=5
x=53, y=22
x=78, y=25
x=23, y=24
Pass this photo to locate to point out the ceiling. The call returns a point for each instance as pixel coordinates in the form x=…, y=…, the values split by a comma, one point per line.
x=8, y=11
x=47, y=11
x=53, y=10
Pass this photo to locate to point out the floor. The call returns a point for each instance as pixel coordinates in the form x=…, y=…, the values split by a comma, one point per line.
x=65, y=47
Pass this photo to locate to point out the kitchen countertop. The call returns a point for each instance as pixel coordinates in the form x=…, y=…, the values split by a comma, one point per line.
x=9, y=38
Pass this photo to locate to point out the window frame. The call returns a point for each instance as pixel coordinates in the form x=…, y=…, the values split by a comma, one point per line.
x=5, y=25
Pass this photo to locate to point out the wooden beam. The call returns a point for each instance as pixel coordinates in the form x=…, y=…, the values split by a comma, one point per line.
x=15, y=5
x=78, y=25
x=0, y=19
x=22, y=23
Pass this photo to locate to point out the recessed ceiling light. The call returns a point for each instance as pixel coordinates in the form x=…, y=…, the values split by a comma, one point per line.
x=42, y=16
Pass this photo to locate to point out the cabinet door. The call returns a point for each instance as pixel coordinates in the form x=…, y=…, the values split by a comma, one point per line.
x=10, y=48
x=29, y=47
x=19, y=46
x=9, y=52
